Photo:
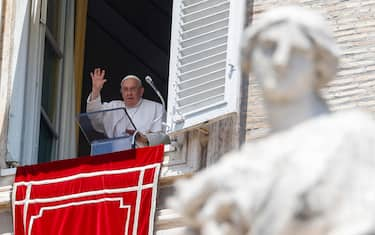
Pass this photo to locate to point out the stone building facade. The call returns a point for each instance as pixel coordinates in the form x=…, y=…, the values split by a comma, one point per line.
x=353, y=24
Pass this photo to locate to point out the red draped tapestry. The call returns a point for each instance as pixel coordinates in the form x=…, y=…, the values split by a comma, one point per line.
x=108, y=194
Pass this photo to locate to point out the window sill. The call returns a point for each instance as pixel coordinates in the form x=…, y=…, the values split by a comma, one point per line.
x=7, y=171
x=6, y=182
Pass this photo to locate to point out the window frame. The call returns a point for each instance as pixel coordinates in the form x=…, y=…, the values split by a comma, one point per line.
x=23, y=143
x=57, y=45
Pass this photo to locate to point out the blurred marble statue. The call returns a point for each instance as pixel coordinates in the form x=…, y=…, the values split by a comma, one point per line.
x=315, y=173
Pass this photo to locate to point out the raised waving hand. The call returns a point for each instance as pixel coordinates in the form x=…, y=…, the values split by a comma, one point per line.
x=97, y=78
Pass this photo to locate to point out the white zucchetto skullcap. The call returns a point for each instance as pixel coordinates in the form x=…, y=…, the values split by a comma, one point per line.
x=131, y=76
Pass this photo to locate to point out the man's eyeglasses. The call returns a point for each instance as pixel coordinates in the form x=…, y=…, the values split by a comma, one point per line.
x=129, y=89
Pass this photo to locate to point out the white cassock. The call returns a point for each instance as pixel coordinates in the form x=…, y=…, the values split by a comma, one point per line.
x=147, y=116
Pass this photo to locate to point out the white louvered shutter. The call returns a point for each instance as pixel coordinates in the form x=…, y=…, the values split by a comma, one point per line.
x=204, y=71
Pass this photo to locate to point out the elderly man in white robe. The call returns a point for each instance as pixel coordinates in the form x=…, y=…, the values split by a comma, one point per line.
x=146, y=115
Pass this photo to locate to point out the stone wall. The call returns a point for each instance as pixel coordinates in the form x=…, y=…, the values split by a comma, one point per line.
x=353, y=24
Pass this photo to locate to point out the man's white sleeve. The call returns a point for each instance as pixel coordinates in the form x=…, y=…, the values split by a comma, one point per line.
x=159, y=117
x=157, y=136
x=96, y=119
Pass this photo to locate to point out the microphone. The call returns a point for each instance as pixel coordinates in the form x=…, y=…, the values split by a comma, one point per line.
x=151, y=83
x=149, y=79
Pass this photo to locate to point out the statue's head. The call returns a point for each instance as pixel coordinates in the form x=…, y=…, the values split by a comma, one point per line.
x=291, y=51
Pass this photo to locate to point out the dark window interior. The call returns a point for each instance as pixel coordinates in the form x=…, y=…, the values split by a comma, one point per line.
x=126, y=37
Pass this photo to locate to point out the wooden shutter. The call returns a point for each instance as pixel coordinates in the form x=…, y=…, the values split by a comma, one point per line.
x=204, y=66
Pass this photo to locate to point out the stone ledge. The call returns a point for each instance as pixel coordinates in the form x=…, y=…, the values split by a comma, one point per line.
x=5, y=194
x=6, y=182
x=8, y=171
x=168, y=219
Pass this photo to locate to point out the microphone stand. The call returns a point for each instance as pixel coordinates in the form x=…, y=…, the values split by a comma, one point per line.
x=132, y=123
x=135, y=128
x=151, y=83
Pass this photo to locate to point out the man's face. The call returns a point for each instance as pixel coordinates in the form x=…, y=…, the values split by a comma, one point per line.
x=283, y=61
x=131, y=92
